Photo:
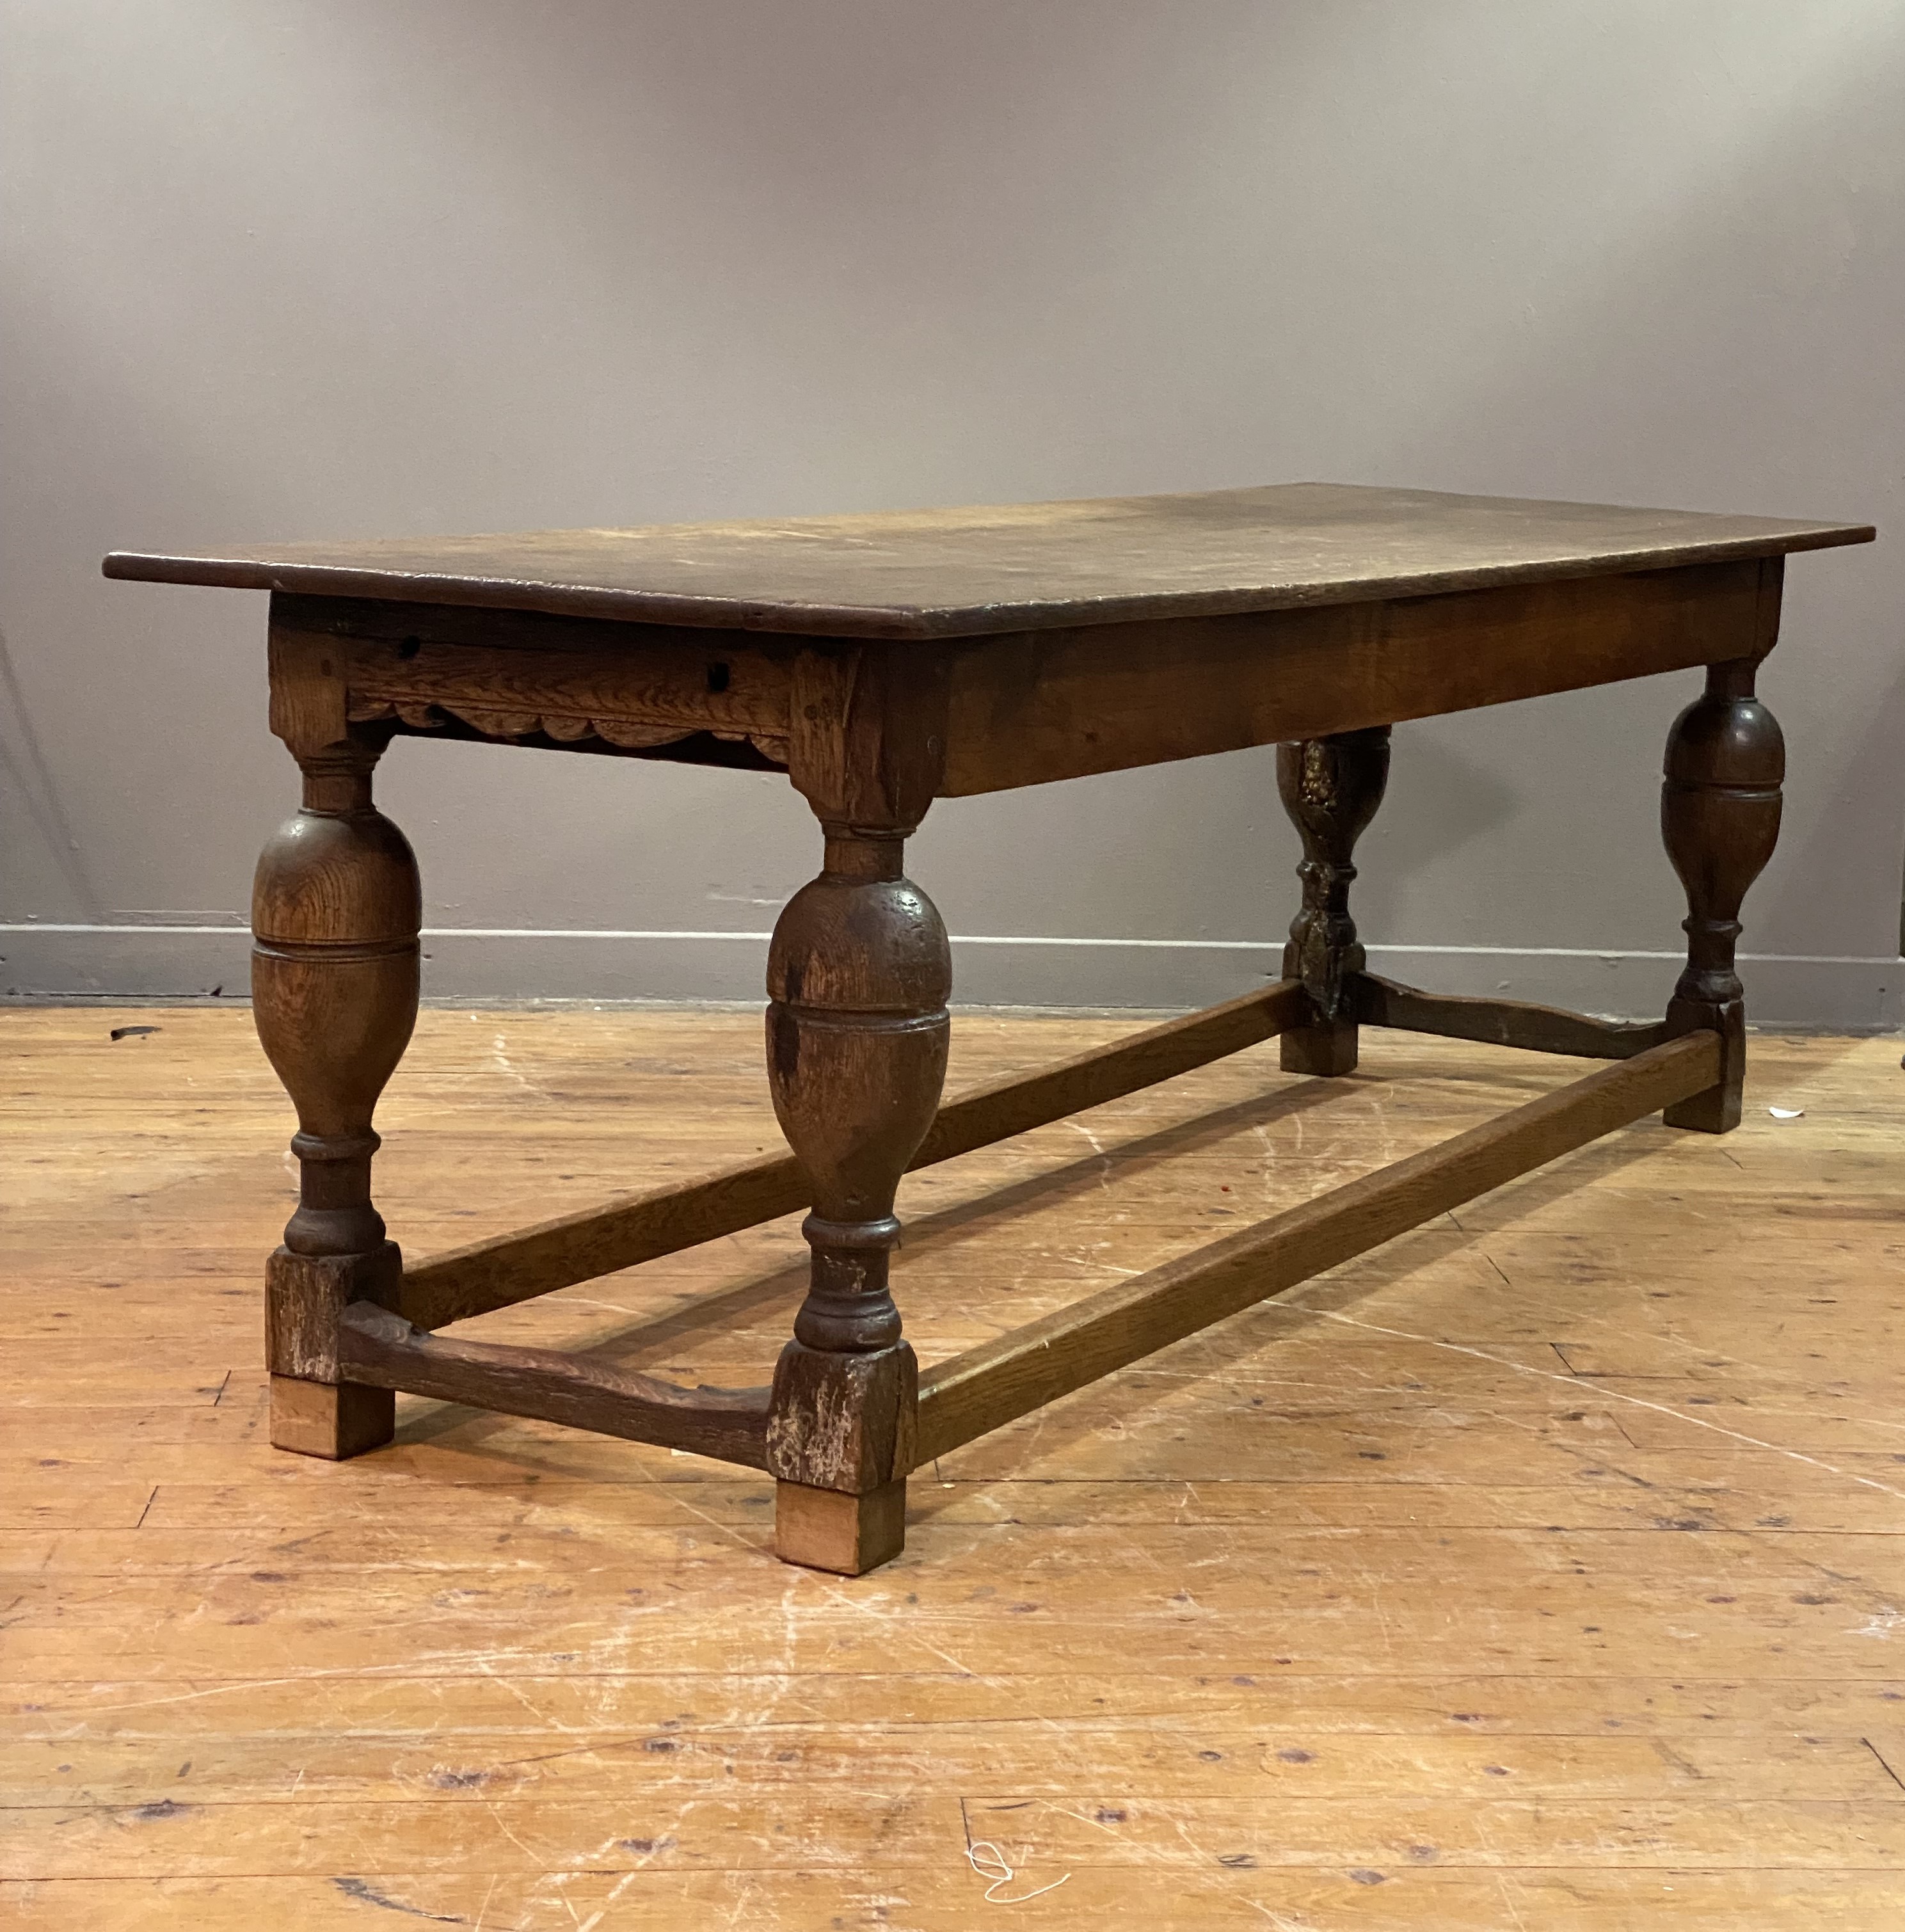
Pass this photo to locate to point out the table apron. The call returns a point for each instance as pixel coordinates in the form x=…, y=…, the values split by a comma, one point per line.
x=1027, y=709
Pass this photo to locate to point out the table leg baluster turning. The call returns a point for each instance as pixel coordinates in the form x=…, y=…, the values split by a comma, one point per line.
x=1330, y=787
x=858, y=975
x=1720, y=812
x=335, y=910
x=881, y=662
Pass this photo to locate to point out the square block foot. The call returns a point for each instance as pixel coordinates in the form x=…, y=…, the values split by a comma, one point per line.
x=822, y=1529
x=1326, y=1049
x=1715, y=1111
x=330, y=1419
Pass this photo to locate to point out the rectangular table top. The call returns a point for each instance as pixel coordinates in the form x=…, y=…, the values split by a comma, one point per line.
x=946, y=573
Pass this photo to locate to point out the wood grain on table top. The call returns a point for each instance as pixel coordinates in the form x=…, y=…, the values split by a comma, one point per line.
x=966, y=572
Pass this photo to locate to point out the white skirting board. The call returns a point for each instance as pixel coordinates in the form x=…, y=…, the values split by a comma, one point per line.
x=41, y=962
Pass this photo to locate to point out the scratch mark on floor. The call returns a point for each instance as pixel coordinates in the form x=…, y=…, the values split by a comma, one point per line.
x=509, y=1835
x=501, y=1061
x=727, y=1530
x=522, y=1697
x=616, y=1891
x=1504, y=1884
x=1882, y=1623
x=1882, y=1765
x=1288, y=1306
x=365, y=1894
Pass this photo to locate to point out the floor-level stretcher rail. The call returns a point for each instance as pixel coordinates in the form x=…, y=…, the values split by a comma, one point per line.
x=579, y=1247
x=382, y=1349
x=991, y=1384
x=1379, y=1002
x=1000, y=1380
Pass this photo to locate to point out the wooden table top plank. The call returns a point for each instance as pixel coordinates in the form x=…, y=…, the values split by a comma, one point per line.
x=949, y=573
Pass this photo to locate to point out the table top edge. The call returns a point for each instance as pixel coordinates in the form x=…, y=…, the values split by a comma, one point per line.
x=922, y=622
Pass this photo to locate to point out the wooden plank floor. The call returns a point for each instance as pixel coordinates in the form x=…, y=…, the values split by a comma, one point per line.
x=1543, y=1570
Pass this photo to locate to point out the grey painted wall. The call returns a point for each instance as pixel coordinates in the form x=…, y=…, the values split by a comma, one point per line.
x=342, y=267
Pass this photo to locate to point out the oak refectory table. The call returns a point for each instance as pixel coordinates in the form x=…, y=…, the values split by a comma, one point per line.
x=882, y=661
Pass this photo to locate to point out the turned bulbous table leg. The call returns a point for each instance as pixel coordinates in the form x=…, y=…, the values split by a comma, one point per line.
x=1719, y=813
x=1330, y=787
x=335, y=912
